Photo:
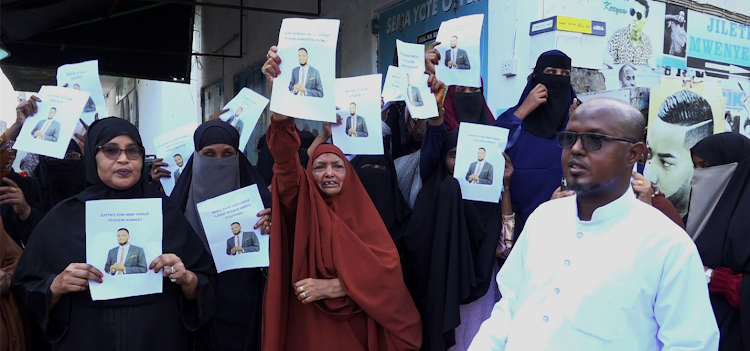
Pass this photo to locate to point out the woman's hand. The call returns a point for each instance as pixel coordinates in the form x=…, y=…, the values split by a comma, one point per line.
x=311, y=290
x=80, y=138
x=264, y=222
x=13, y=195
x=74, y=278
x=217, y=114
x=559, y=193
x=642, y=188
x=431, y=58
x=172, y=267
x=159, y=170
x=536, y=97
x=271, y=68
x=508, y=173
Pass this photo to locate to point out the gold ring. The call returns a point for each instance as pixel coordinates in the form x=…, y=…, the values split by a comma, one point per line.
x=640, y=182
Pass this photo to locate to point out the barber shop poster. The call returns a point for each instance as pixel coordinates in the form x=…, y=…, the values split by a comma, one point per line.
x=229, y=222
x=123, y=237
x=681, y=113
x=480, y=163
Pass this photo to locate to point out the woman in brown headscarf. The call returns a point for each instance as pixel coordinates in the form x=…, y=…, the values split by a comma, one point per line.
x=335, y=280
x=12, y=337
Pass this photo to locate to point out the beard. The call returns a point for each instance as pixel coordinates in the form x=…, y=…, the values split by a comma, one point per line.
x=583, y=188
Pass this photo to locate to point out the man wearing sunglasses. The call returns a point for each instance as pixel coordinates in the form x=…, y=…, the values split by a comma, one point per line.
x=601, y=270
x=629, y=44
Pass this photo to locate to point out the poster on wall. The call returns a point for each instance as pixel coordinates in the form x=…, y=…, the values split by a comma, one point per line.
x=681, y=113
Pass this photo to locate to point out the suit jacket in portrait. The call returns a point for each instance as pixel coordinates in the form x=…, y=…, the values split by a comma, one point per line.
x=52, y=132
x=485, y=175
x=361, y=127
x=236, y=122
x=313, y=84
x=135, y=260
x=462, y=59
x=177, y=174
x=249, y=243
x=415, y=97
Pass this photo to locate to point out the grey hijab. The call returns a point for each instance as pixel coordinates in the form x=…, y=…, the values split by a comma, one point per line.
x=212, y=177
x=708, y=187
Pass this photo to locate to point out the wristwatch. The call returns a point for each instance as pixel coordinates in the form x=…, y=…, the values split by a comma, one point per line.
x=709, y=274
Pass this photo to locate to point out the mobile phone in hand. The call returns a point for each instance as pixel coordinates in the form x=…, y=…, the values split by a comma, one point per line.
x=564, y=184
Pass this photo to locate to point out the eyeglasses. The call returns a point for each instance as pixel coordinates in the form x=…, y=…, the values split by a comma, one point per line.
x=113, y=152
x=589, y=141
x=633, y=12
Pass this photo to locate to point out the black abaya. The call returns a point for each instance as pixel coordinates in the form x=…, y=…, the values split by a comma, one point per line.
x=151, y=322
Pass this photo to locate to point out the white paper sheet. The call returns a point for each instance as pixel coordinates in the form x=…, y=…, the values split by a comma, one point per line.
x=392, y=86
x=419, y=99
x=141, y=220
x=460, y=65
x=84, y=76
x=312, y=42
x=231, y=213
x=410, y=56
x=475, y=142
x=360, y=132
x=175, y=147
x=48, y=132
x=244, y=111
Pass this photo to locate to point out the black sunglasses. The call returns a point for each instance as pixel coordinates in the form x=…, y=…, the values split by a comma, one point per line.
x=633, y=13
x=113, y=152
x=589, y=141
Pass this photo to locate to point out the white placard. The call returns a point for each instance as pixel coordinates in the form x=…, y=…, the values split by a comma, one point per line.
x=228, y=221
x=84, y=76
x=480, y=163
x=410, y=56
x=419, y=99
x=175, y=147
x=460, y=62
x=123, y=237
x=48, y=132
x=392, y=86
x=244, y=111
x=305, y=87
x=360, y=132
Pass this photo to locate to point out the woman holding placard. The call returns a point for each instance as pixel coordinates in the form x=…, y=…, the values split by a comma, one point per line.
x=335, y=280
x=54, y=290
x=218, y=167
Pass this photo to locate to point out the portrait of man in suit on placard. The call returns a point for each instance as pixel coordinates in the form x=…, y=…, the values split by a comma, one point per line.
x=235, y=120
x=180, y=163
x=47, y=129
x=305, y=79
x=241, y=242
x=480, y=172
x=90, y=106
x=125, y=258
x=414, y=96
x=355, y=124
x=456, y=58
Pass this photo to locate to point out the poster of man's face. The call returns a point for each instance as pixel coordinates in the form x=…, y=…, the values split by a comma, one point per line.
x=627, y=76
x=178, y=160
x=125, y=258
x=675, y=31
x=684, y=118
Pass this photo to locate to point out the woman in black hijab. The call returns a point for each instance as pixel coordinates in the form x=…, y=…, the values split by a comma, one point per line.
x=718, y=221
x=216, y=168
x=54, y=290
x=26, y=200
x=453, y=252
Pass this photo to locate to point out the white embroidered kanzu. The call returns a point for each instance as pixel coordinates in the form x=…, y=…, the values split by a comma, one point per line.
x=629, y=279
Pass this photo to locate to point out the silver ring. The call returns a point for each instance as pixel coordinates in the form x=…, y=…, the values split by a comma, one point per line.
x=174, y=280
x=172, y=269
x=268, y=56
x=301, y=288
x=303, y=295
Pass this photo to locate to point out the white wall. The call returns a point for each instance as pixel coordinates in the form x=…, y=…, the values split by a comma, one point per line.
x=509, y=38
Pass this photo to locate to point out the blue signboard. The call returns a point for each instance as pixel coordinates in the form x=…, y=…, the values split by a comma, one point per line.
x=417, y=21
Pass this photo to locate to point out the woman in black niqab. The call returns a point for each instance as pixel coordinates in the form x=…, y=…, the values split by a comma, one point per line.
x=450, y=252
x=55, y=291
x=208, y=174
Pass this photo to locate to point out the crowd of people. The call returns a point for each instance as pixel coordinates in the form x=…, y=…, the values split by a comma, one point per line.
x=381, y=252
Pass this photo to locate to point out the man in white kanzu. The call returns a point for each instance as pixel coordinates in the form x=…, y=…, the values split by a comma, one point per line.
x=601, y=270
